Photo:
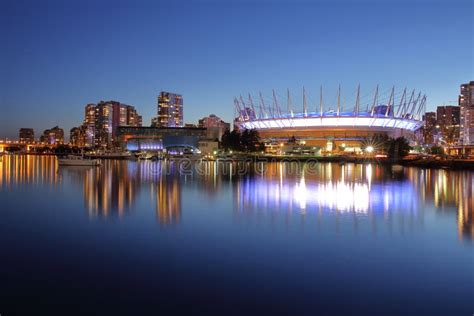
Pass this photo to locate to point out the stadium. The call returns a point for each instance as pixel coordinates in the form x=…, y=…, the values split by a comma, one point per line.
x=343, y=123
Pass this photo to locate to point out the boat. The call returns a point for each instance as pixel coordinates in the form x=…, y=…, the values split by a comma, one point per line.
x=72, y=160
x=145, y=156
x=397, y=168
x=110, y=155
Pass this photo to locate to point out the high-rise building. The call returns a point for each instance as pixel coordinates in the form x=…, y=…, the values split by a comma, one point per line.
x=53, y=136
x=466, y=103
x=170, y=110
x=448, y=123
x=429, y=129
x=78, y=136
x=89, y=124
x=215, y=126
x=103, y=124
x=108, y=117
x=27, y=135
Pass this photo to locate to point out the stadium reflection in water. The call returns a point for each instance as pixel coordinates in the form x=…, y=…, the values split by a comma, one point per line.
x=362, y=190
x=373, y=191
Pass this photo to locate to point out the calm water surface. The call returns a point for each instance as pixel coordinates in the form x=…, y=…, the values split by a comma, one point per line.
x=156, y=237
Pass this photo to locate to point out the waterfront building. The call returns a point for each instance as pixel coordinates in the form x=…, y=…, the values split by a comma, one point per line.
x=89, y=124
x=331, y=126
x=53, y=136
x=169, y=110
x=78, y=136
x=108, y=116
x=157, y=139
x=466, y=103
x=27, y=135
x=208, y=147
x=103, y=124
x=215, y=126
x=448, y=124
x=429, y=128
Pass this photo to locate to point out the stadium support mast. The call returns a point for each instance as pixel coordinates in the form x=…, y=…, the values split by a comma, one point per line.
x=376, y=96
x=321, y=100
x=390, y=101
x=244, y=107
x=357, y=105
x=407, y=106
x=251, y=104
x=403, y=99
x=237, y=107
x=339, y=101
x=275, y=105
x=288, y=103
x=421, y=106
x=412, y=111
x=262, y=105
x=305, y=106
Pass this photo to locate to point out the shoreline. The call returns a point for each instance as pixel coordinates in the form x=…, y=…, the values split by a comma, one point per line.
x=454, y=164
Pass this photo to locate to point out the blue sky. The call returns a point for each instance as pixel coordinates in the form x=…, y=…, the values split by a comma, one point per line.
x=56, y=56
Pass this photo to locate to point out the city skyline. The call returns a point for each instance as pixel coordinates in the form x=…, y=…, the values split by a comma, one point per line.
x=53, y=68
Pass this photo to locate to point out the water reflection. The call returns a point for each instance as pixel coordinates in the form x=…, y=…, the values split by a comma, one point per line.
x=449, y=192
x=373, y=191
x=107, y=190
x=351, y=188
x=113, y=189
x=27, y=169
x=168, y=201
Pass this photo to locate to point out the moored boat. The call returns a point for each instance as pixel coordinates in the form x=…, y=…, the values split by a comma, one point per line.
x=145, y=156
x=110, y=155
x=72, y=160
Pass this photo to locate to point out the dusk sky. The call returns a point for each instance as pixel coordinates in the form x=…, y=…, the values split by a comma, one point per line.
x=55, y=58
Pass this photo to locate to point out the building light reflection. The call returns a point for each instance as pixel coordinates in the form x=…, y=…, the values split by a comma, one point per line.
x=367, y=190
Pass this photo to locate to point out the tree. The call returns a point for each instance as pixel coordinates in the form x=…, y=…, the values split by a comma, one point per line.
x=398, y=148
x=231, y=140
x=393, y=147
x=437, y=150
x=248, y=140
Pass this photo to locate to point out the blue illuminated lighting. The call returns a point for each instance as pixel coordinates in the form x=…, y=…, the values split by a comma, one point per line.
x=327, y=120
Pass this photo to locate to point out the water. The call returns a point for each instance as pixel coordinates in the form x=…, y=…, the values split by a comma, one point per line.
x=206, y=238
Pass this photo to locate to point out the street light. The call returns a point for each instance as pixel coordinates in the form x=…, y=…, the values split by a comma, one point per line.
x=369, y=149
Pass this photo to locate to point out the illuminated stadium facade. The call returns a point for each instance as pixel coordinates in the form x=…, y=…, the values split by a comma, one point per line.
x=318, y=124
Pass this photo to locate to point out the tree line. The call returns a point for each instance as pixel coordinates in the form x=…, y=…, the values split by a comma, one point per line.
x=246, y=141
